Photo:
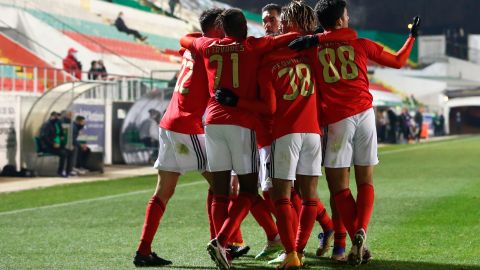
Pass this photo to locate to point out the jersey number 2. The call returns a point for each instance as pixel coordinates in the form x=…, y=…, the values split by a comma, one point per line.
x=185, y=74
x=218, y=75
x=329, y=64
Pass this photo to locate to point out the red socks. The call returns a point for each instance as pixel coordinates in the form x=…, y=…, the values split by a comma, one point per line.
x=323, y=218
x=365, y=198
x=347, y=208
x=240, y=208
x=262, y=215
x=340, y=233
x=296, y=201
x=307, y=220
x=271, y=205
x=219, y=211
x=211, y=224
x=237, y=236
x=284, y=219
x=153, y=214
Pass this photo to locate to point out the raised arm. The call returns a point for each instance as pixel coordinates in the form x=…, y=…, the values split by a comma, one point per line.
x=397, y=60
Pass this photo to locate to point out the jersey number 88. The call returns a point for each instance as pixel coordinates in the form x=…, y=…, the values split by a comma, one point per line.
x=329, y=64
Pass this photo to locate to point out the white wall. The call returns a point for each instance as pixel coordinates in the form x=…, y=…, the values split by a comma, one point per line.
x=431, y=48
x=474, y=48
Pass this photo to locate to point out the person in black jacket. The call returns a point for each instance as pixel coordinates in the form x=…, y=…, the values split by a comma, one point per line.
x=51, y=136
x=81, y=150
x=122, y=27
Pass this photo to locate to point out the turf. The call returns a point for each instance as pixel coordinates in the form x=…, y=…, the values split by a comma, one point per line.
x=427, y=216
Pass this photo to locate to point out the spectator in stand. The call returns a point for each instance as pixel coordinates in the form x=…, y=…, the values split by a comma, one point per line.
x=92, y=73
x=71, y=65
x=81, y=151
x=51, y=136
x=173, y=4
x=102, y=71
x=419, y=122
x=122, y=27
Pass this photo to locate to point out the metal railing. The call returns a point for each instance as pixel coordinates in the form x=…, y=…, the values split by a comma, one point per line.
x=33, y=80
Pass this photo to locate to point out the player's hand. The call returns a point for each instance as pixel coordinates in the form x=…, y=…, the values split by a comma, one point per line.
x=226, y=97
x=303, y=43
x=414, y=27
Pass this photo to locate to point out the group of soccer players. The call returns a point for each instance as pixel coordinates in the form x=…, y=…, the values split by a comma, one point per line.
x=263, y=98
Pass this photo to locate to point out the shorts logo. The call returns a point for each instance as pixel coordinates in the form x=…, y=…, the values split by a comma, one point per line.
x=182, y=149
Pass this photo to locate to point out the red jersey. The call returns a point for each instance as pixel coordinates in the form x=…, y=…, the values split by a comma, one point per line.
x=289, y=74
x=342, y=75
x=189, y=100
x=232, y=63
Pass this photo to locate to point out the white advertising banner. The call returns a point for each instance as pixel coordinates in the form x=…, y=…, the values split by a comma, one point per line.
x=9, y=130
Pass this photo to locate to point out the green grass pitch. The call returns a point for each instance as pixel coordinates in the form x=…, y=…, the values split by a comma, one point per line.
x=426, y=216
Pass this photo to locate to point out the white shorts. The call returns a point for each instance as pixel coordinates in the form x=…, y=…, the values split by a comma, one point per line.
x=231, y=147
x=263, y=172
x=179, y=152
x=296, y=153
x=352, y=140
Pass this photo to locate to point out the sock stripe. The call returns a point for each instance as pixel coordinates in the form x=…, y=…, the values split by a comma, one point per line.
x=282, y=201
x=310, y=203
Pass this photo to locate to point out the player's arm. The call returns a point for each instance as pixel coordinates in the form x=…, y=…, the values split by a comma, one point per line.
x=305, y=42
x=266, y=104
x=399, y=59
x=268, y=43
x=188, y=40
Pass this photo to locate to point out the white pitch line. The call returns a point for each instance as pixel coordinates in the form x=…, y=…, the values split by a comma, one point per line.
x=92, y=199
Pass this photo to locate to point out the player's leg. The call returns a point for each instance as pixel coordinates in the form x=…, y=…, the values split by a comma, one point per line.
x=364, y=158
x=283, y=172
x=308, y=171
x=168, y=173
x=340, y=237
x=338, y=159
x=262, y=208
x=224, y=142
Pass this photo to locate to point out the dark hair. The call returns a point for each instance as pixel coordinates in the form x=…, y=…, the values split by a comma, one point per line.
x=233, y=23
x=208, y=17
x=79, y=118
x=270, y=7
x=329, y=11
x=299, y=13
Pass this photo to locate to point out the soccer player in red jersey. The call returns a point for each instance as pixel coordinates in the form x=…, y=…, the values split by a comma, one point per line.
x=181, y=140
x=296, y=148
x=231, y=63
x=349, y=114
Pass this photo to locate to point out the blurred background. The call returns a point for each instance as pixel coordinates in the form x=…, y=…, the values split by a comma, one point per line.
x=115, y=64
